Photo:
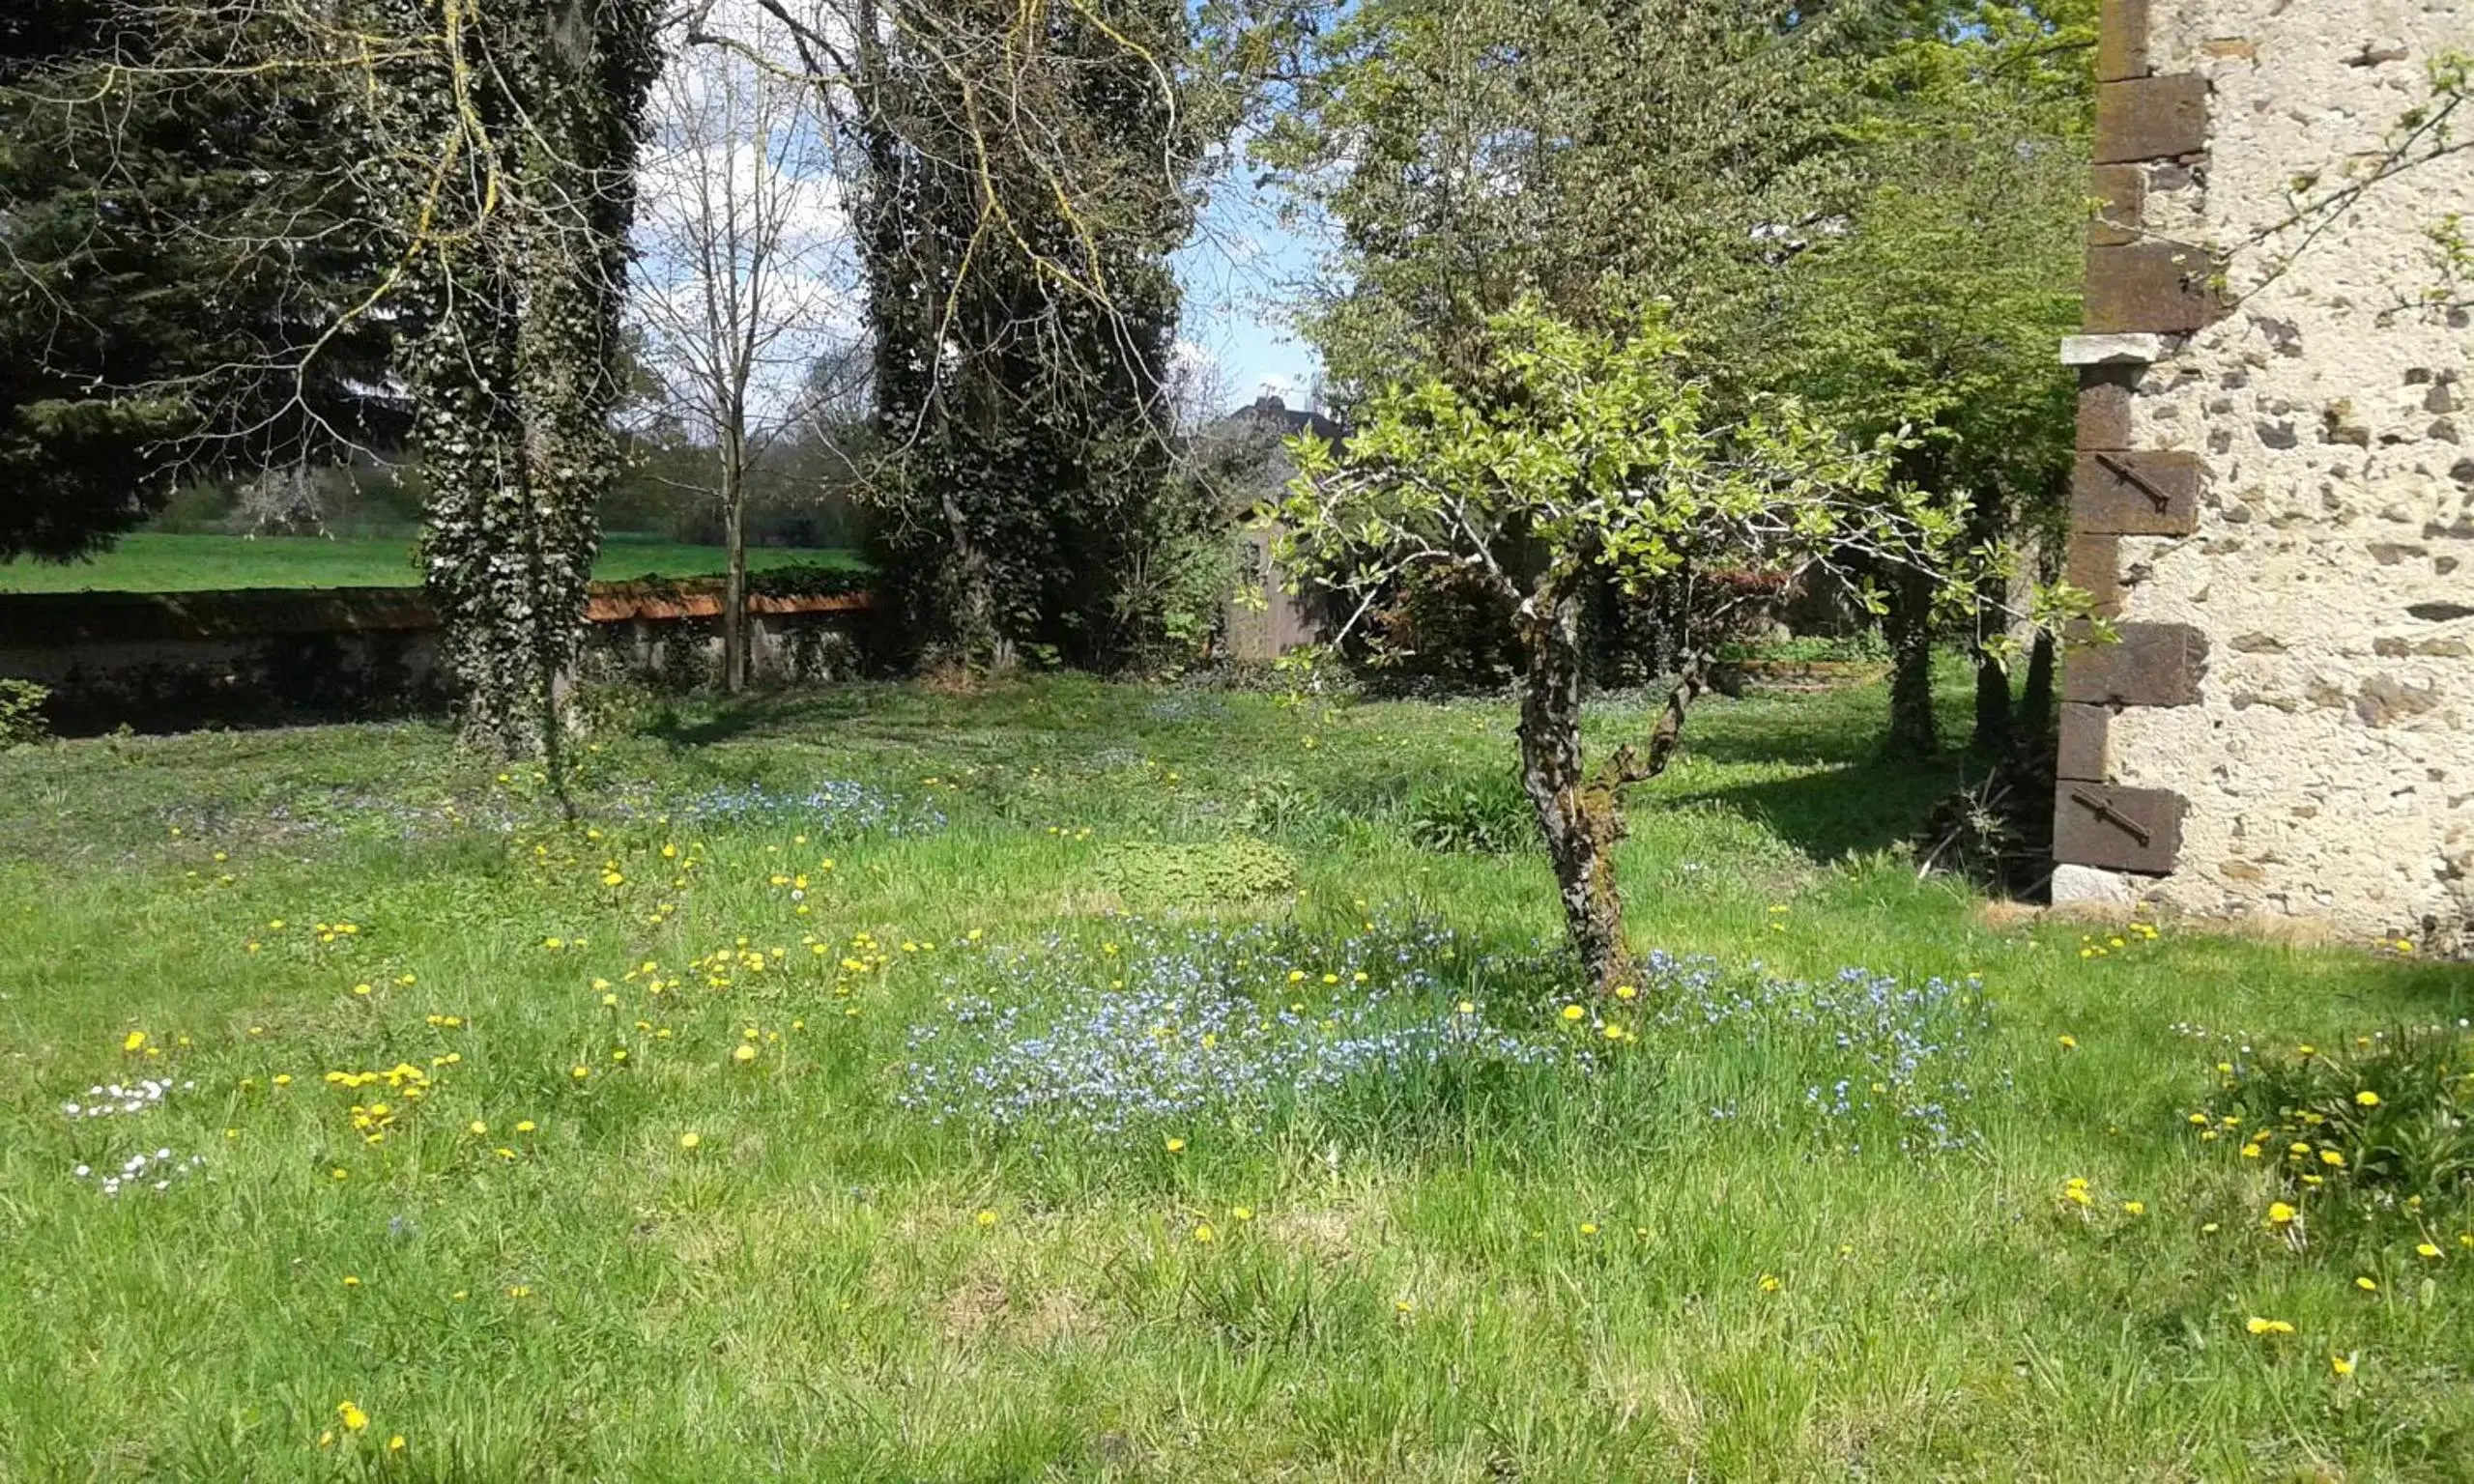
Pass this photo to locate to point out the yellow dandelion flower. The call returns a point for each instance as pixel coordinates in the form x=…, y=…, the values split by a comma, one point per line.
x=744, y=1054
x=479, y=1128
x=132, y=1040
x=690, y=1139
x=2267, y=1327
x=1574, y=1011
x=2342, y=1365
x=1203, y=1232
x=1175, y=1145
x=1769, y=1283
x=2134, y=1207
x=2366, y=1098
x=2426, y=1249
x=352, y=1416
x=395, y=1444
x=1241, y=1212
x=986, y=1217
x=525, y=1126
x=2070, y=1043
x=2280, y=1213
x=2368, y=1285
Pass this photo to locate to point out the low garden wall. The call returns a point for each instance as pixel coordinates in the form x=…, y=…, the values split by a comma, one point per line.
x=262, y=657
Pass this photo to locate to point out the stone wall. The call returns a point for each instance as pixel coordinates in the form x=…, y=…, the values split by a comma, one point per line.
x=2275, y=497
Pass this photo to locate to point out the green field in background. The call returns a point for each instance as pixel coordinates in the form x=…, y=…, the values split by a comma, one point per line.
x=151, y=563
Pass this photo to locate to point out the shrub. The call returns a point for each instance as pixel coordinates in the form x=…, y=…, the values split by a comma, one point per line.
x=2367, y=1141
x=1493, y=817
x=22, y=714
x=1156, y=874
x=1284, y=807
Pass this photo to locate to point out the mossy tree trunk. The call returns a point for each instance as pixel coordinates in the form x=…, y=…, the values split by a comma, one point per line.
x=1579, y=821
x=1579, y=809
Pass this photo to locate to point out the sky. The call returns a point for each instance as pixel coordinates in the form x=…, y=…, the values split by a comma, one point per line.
x=1239, y=276
x=1239, y=273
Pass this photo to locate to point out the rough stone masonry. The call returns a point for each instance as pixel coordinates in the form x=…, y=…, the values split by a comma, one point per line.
x=2274, y=501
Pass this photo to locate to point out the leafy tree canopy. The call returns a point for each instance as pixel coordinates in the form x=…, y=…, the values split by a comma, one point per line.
x=179, y=242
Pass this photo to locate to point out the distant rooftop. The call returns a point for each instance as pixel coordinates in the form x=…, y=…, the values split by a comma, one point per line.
x=1291, y=422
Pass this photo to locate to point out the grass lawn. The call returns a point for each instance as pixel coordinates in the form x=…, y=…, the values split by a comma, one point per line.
x=151, y=562
x=1089, y=1081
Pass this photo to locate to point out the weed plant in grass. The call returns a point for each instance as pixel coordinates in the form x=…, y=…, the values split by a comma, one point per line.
x=814, y=1106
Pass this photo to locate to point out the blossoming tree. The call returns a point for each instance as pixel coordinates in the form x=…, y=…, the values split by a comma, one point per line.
x=1558, y=454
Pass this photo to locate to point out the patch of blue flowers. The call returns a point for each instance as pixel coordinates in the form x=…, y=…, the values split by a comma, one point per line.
x=1889, y=1053
x=1164, y=1025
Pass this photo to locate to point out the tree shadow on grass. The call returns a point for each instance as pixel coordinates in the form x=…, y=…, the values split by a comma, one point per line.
x=708, y=722
x=1855, y=809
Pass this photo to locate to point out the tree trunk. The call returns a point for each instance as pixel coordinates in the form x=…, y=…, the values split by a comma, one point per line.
x=1988, y=523
x=1913, y=732
x=975, y=629
x=734, y=586
x=2035, y=701
x=1992, y=706
x=1576, y=815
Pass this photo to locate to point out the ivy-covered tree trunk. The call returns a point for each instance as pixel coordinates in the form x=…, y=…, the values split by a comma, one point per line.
x=1575, y=814
x=522, y=263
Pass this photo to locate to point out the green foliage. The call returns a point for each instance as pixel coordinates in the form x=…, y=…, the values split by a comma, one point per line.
x=1024, y=313
x=1492, y=817
x=1442, y=626
x=1155, y=873
x=1937, y=306
x=1598, y=156
x=181, y=233
x=21, y=716
x=1564, y=451
x=1563, y=458
x=2369, y=1141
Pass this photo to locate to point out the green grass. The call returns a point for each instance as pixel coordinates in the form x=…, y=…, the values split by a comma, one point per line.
x=154, y=562
x=812, y=1291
